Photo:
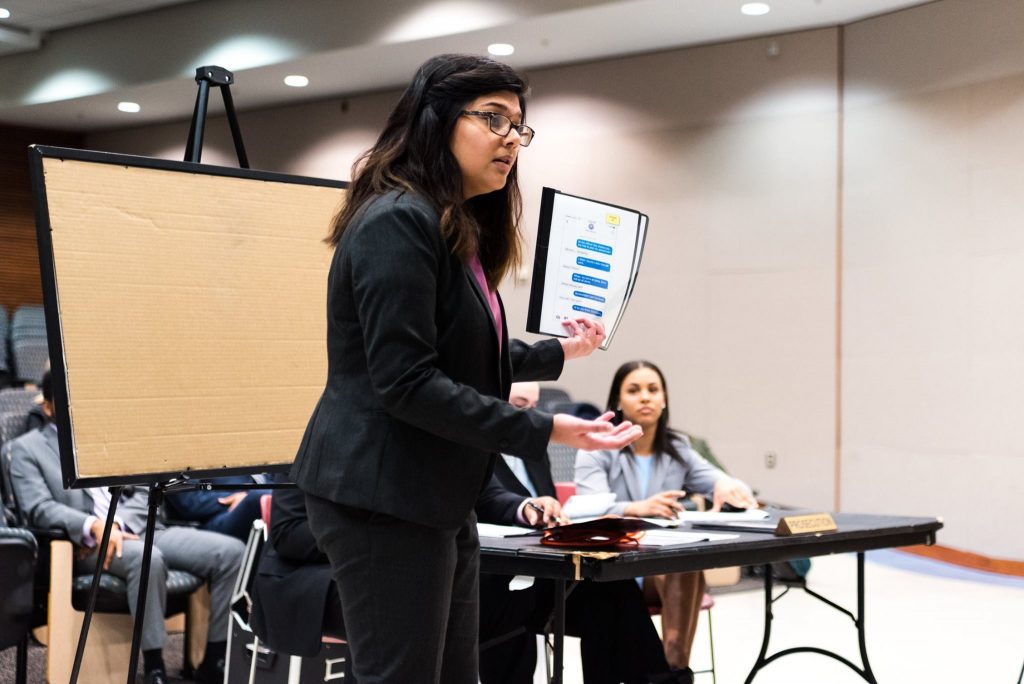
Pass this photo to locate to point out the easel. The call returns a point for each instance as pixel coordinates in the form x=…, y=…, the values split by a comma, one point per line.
x=206, y=77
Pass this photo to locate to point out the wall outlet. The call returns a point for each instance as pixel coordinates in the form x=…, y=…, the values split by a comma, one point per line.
x=771, y=459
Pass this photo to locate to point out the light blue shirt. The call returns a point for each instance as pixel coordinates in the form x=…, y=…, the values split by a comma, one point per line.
x=518, y=468
x=644, y=468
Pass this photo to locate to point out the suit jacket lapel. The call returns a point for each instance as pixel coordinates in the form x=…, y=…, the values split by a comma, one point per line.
x=623, y=464
x=481, y=297
x=51, y=441
x=658, y=473
x=540, y=475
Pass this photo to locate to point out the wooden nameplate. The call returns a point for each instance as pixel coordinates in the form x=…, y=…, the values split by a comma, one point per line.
x=811, y=523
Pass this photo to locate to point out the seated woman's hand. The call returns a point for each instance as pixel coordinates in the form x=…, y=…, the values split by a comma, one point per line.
x=591, y=435
x=661, y=505
x=584, y=337
x=729, y=490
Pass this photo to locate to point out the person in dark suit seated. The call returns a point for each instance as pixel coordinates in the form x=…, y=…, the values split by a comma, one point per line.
x=294, y=578
x=618, y=640
x=219, y=511
x=81, y=513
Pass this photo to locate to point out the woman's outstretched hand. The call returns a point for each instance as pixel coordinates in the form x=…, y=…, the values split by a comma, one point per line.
x=584, y=337
x=593, y=434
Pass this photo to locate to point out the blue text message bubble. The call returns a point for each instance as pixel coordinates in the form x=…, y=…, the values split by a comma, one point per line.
x=593, y=263
x=589, y=280
x=588, y=310
x=594, y=246
x=586, y=295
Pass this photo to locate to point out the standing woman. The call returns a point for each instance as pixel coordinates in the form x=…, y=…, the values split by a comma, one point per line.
x=648, y=478
x=419, y=368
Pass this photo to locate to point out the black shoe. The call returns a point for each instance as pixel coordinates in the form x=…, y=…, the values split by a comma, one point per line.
x=684, y=676
x=210, y=673
x=156, y=676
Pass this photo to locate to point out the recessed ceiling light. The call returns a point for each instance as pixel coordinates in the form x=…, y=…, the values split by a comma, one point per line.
x=500, y=49
x=755, y=9
x=5, y=13
x=296, y=81
x=130, y=107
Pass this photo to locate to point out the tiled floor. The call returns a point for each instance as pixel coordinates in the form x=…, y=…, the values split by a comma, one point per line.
x=926, y=622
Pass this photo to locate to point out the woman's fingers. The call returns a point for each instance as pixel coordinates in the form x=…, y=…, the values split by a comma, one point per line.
x=593, y=434
x=584, y=336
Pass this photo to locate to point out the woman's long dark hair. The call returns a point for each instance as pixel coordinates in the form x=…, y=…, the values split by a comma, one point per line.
x=413, y=154
x=664, y=436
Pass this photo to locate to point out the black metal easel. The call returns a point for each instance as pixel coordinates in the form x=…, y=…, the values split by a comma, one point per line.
x=206, y=77
x=218, y=77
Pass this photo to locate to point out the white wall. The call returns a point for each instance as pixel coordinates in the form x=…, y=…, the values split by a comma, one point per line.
x=933, y=339
x=736, y=156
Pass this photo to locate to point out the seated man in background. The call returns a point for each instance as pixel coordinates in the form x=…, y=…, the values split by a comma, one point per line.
x=81, y=515
x=218, y=511
x=293, y=579
x=618, y=640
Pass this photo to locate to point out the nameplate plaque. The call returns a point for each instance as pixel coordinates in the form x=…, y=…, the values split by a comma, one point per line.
x=805, y=524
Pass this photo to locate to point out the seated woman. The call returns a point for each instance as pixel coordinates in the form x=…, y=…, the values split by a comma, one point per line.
x=649, y=477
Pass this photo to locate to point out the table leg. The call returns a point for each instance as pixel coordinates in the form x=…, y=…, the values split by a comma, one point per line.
x=858, y=620
x=861, y=636
x=558, y=627
x=761, y=661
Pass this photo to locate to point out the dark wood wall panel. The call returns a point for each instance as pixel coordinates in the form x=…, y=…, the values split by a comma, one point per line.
x=19, y=263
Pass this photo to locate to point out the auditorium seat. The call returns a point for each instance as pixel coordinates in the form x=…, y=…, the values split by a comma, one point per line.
x=17, y=399
x=17, y=567
x=563, y=462
x=28, y=344
x=550, y=396
x=5, y=363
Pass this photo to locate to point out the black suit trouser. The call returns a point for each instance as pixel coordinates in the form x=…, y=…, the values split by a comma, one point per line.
x=618, y=641
x=408, y=594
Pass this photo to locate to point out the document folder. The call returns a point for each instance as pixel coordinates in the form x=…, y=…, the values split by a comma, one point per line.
x=586, y=263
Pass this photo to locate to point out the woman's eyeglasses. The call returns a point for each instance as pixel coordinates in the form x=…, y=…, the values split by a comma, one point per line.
x=502, y=125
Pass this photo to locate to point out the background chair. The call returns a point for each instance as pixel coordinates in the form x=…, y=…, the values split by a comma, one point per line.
x=17, y=399
x=5, y=363
x=18, y=552
x=60, y=596
x=563, y=462
x=706, y=604
x=550, y=396
x=244, y=659
x=28, y=343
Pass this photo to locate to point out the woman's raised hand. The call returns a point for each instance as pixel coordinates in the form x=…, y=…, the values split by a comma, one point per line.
x=585, y=336
x=593, y=434
x=661, y=505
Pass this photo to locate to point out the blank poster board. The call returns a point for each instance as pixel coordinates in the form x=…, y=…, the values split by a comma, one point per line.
x=185, y=311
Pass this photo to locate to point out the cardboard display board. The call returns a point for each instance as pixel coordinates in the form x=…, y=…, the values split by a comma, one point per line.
x=185, y=311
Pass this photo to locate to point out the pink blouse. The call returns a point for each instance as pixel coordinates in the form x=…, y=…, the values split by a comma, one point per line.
x=492, y=296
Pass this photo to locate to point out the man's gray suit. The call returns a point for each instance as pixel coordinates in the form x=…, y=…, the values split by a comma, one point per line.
x=36, y=478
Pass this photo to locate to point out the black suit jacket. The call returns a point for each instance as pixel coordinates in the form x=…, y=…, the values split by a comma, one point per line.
x=293, y=579
x=415, y=404
x=500, y=500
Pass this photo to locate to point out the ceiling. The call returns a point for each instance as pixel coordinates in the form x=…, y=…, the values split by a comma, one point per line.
x=66, y=64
